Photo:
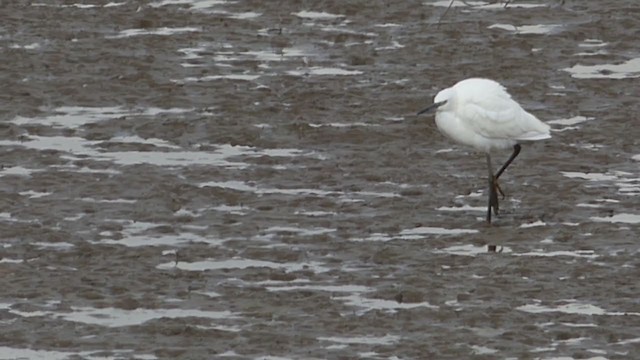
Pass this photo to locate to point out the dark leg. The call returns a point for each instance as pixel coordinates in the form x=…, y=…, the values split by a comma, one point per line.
x=494, y=188
x=516, y=151
x=493, y=194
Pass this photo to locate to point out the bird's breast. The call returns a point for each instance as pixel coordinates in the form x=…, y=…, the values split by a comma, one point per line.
x=457, y=130
x=449, y=125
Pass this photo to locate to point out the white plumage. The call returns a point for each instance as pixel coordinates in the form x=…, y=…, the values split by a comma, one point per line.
x=481, y=114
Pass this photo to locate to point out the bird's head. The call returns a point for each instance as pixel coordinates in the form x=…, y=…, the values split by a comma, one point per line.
x=441, y=102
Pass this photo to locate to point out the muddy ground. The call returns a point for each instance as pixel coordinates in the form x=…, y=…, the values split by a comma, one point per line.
x=248, y=180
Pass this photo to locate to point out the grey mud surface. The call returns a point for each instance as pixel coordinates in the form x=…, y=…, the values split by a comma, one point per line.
x=248, y=180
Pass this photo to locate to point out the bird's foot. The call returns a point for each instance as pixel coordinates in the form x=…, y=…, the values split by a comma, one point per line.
x=497, y=187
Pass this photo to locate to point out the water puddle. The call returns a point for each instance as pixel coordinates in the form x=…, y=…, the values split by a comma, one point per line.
x=470, y=250
x=419, y=232
x=619, y=218
x=364, y=340
x=34, y=194
x=592, y=47
x=224, y=56
x=626, y=70
x=341, y=125
x=589, y=176
x=342, y=29
x=587, y=254
x=299, y=231
x=81, y=6
x=234, y=209
x=533, y=224
x=475, y=250
x=317, y=15
x=240, y=263
x=241, y=77
x=627, y=183
x=482, y=350
x=159, y=240
x=574, y=308
x=324, y=71
x=365, y=305
x=483, y=4
x=192, y=4
x=394, y=46
x=164, y=31
x=33, y=354
x=569, y=124
x=327, y=288
x=136, y=234
x=263, y=56
x=317, y=213
x=243, y=186
x=114, y=317
x=78, y=148
x=73, y=117
x=32, y=46
x=529, y=29
x=247, y=15
x=464, y=207
x=53, y=245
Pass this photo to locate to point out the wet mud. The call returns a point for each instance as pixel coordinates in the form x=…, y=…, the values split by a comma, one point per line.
x=248, y=180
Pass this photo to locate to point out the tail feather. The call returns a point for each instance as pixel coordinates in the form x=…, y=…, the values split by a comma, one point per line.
x=531, y=136
x=537, y=130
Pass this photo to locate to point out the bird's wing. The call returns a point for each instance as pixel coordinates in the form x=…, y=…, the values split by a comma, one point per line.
x=499, y=117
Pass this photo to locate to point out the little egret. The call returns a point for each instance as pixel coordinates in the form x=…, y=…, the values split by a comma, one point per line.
x=481, y=114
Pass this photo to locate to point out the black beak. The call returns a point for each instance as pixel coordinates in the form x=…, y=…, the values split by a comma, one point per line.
x=432, y=107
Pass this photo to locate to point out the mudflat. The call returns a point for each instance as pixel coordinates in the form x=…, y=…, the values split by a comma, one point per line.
x=248, y=179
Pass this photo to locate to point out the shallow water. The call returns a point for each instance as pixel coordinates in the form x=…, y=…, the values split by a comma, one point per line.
x=237, y=179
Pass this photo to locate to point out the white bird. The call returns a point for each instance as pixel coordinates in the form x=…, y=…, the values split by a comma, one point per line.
x=481, y=114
